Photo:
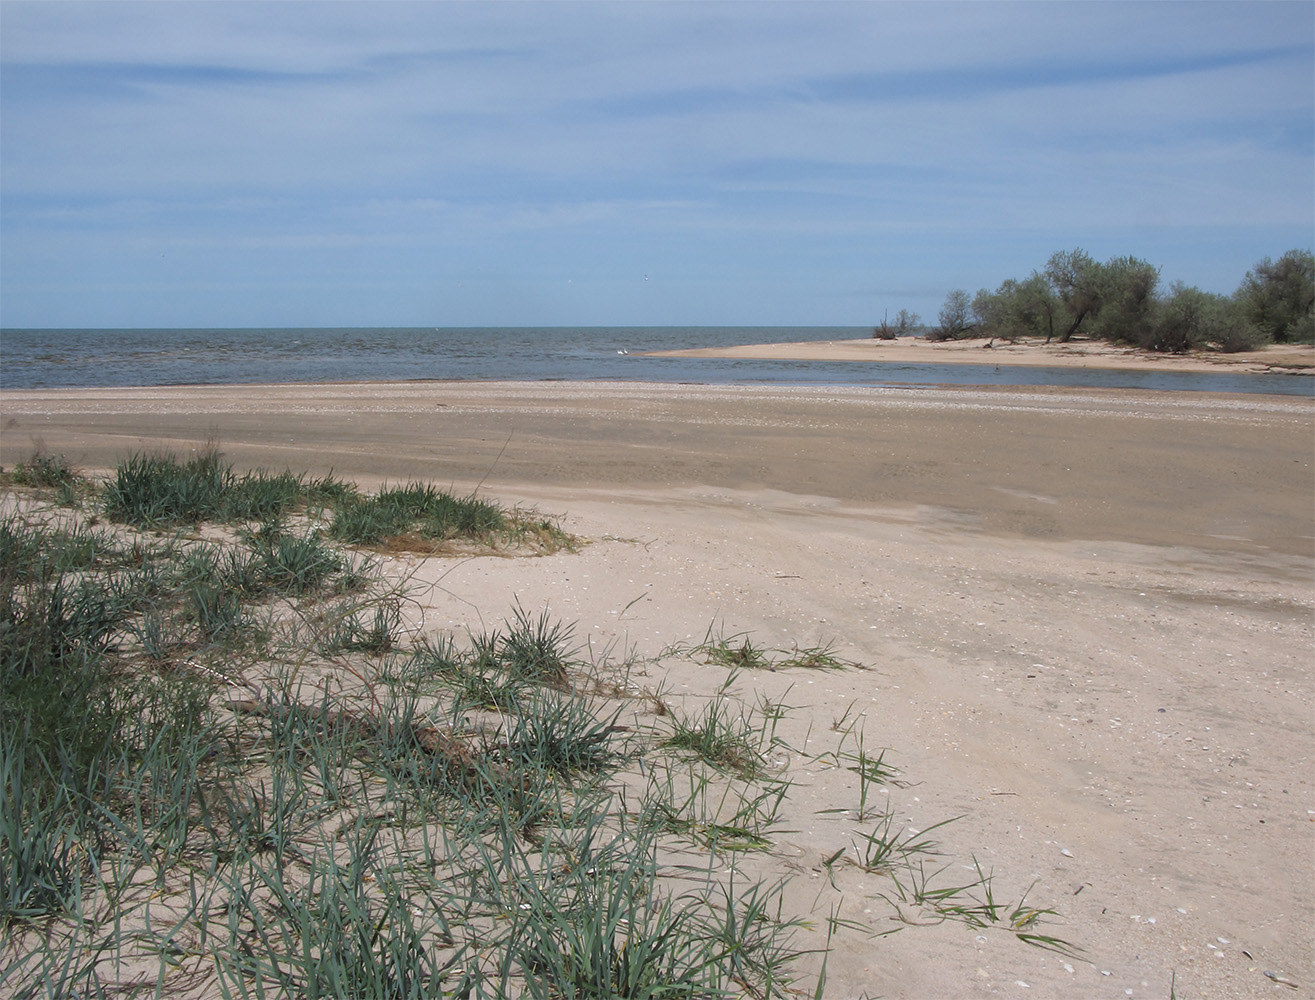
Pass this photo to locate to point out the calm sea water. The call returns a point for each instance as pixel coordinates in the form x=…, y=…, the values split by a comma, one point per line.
x=31, y=359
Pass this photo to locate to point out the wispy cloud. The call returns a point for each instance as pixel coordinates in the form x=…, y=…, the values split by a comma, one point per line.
x=937, y=84
x=783, y=146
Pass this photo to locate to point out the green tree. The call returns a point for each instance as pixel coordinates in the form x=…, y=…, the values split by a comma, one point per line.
x=955, y=317
x=1112, y=301
x=1278, y=297
x=1018, y=309
x=906, y=323
x=1183, y=320
x=1077, y=281
x=991, y=310
x=1126, y=304
x=1038, y=306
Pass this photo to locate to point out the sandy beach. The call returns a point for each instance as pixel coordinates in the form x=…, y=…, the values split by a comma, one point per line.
x=1086, y=618
x=982, y=351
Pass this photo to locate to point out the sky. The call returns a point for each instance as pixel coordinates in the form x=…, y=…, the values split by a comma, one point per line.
x=631, y=164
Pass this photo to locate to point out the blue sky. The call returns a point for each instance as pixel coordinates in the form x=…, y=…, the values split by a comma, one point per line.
x=450, y=164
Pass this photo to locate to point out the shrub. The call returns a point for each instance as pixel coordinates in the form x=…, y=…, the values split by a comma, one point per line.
x=1278, y=297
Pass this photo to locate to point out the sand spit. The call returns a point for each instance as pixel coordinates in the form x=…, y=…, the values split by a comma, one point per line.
x=1296, y=358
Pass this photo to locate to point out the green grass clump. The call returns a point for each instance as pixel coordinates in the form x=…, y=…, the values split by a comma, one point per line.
x=53, y=625
x=363, y=522
x=418, y=510
x=159, y=490
x=348, y=927
x=434, y=657
x=812, y=658
x=49, y=472
x=262, y=496
x=39, y=834
x=617, y=937
x=28, y=549
x=738, y=652
x=536, y=650
x=373, y=628
x=501, y=667
x=723, y=816
x=563, y=736
x=722, y=736
x=217, y=611
x=297, y=564
x=82, y=754
x=154, y=490
x=885, y=847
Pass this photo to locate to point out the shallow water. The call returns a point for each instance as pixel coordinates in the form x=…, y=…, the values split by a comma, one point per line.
x=31, y=359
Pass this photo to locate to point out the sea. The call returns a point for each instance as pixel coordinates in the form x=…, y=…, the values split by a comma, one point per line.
x=40, y=359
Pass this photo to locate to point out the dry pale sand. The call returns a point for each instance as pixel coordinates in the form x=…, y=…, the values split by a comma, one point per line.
x=1087, y=616
x=980, y=351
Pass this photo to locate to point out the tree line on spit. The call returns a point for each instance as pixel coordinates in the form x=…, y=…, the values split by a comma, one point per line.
x=1121, y=301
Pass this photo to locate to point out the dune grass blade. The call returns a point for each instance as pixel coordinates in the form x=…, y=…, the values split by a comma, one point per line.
x=813, y=658
x=882, y=848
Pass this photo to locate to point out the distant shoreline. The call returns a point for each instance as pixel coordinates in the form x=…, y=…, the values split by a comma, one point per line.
x=1297, y=359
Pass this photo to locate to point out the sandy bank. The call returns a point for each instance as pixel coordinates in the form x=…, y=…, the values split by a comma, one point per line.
x=1077, y=354
x=1041, y=463
x=1088, y=618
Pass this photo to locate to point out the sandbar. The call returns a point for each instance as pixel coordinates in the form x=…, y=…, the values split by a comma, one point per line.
x=1294, y=358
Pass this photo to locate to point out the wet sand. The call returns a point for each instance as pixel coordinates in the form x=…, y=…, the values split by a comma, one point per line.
x=1087, y=617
